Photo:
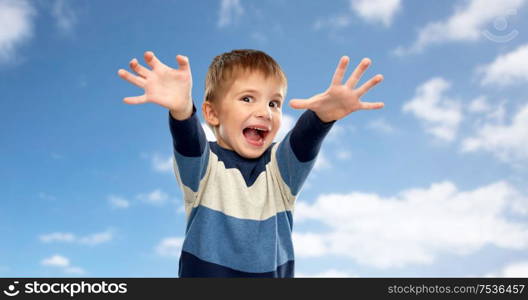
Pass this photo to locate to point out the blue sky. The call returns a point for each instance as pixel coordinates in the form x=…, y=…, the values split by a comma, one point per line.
x=434, y=184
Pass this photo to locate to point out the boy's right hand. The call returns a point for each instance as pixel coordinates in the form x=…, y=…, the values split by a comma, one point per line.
x=163, y=85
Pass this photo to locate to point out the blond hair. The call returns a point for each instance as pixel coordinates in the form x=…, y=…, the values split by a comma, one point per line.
x=225, y=68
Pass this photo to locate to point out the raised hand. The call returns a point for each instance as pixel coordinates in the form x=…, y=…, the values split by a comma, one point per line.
x=340, y=99
x=163, y=85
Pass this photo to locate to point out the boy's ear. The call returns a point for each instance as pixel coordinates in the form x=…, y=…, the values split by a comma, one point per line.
x=210, y=113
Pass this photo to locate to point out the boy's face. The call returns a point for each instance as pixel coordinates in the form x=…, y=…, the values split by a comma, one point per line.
x=249, y=115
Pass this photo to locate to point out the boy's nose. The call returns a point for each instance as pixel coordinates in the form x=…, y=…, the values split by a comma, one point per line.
x=263, y=112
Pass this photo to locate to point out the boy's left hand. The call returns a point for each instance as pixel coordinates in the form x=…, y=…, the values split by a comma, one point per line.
x=339, y=99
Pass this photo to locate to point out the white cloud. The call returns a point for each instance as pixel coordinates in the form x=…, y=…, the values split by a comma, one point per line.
x=287, y=123
x=468, y=23
x=380, y=125
x=337, y=133
x=499, y=113
x=517, y=269
x=371, y=11
x=343, y=154
x=440, y=114
x=507, y=69
x=413, y=227
x=57, y=237
x=170, y=246
x=322, y=161
x=479, y=105
x=209, y=135
x=230, y=11
x=156, y=197
x=64, y=16
x=118, y=202
x=162, y=164
x=56, y=261
x=334, y=22
x=181, y=209
x=506, y=141
x=331, y=273
x=376, y=11
x=65, y=237
x=308, y=244
x=97, y=238
x=59, y=261
x=484, y=111
x=16, y=26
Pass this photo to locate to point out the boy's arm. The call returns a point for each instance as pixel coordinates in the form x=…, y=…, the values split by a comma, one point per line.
x=191, y=151
x=296, y=154
x=171, y=88
x=188, y=136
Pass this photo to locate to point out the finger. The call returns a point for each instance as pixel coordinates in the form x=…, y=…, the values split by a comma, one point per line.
x=139, y=69
x=371, y=105
x=152, y=60
x=299, y=103
x=135, y=80
x=369, y=84
x=340, y=70
x=183, y=62
x=358, y=72
x=135, y=100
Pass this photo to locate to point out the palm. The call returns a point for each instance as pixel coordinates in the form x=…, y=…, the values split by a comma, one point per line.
x=163, y=85
x=166, y=86
x=340, y=99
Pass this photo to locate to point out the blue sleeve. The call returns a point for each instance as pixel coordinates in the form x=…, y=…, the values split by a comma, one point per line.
x=298, y=150
x=191, y=150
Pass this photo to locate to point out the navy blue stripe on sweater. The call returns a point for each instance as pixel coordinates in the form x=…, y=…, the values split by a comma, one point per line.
x=190, y=135
x=308, y=125
x=297, y=152
x=190, y=148
x=192, y=266
x=293, y=172
x=249, y=168
x=242, y=244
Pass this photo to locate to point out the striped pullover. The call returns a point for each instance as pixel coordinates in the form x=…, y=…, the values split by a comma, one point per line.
x=239, y=210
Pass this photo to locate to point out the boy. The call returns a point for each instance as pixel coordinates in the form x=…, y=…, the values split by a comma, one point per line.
x=239, y=191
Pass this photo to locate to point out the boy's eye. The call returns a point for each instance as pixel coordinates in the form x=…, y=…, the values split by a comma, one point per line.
x=247, y=99
x=275, y=104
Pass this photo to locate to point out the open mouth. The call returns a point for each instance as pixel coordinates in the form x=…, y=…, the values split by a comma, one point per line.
x=255, y=136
